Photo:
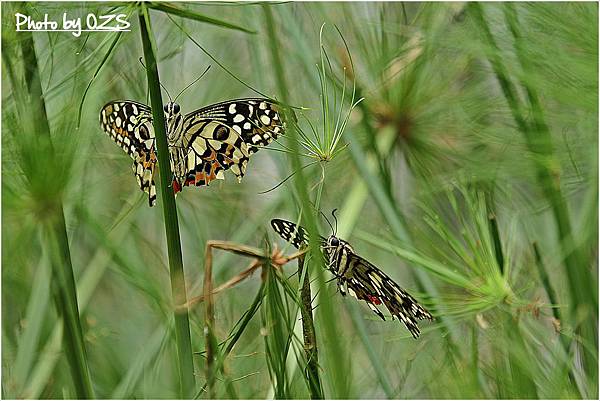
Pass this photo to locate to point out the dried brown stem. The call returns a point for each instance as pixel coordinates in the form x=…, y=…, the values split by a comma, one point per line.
x=276, y=259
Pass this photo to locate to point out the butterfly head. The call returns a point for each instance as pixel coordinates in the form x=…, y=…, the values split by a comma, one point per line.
x=171, y=109
x=334, y=242
x=174, y=121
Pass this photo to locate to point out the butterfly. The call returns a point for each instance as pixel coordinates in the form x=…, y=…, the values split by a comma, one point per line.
x=358, y=277
x=202, y=144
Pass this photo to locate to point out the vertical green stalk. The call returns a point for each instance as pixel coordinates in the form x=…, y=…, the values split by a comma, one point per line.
x=36, y=132
x=339, y=374
x=522, y=380
x=539, y=262
x=167, y=199
x=310, y=340
x=209, y=323
x=539, y=142
x=546, y=281
x=66, y=299
x=493, y=227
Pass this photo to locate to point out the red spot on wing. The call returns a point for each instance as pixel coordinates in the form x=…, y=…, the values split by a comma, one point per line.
x=176, y=186
x=374, y=299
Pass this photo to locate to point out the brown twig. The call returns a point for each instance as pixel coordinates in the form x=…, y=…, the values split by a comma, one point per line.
x=228, y=284
x=276, y=260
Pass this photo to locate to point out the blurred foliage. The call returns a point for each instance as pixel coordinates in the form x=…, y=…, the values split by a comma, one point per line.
x=468, y=173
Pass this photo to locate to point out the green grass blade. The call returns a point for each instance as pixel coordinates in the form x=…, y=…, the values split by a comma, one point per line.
x=359, y=325
x=167, y=199
x=54, y=229
x=37, y=309
x=144, y=358
x=66, y=298
x=171, y=9
x=43, y=369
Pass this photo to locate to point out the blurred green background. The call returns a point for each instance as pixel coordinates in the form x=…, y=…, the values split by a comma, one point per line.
x=469, y=174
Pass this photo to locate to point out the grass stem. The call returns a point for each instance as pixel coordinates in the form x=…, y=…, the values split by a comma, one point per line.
x=63, y=281
x=310, y=339
x=167, y=199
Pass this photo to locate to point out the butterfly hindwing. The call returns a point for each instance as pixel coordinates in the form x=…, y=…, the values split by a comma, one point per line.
x=209, y=147
x=143, y=167
x=370, y=284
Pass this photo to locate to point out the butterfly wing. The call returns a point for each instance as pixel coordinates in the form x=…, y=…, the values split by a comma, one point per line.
x=292, y=233
x=129, y=124
x=222, y=136
x=366, y=282
x=258, y=121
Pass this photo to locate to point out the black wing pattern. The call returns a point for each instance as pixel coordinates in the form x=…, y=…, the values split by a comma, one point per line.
x=292, y=233
x=258, y=121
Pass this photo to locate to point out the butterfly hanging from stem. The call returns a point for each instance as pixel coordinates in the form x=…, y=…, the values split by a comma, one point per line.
x=359, y=277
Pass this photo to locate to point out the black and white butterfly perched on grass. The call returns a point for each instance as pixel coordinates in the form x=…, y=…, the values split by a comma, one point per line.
x=202, y=144
x=359, y=277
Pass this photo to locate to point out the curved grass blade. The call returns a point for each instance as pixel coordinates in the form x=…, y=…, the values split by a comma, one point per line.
x=180, y=12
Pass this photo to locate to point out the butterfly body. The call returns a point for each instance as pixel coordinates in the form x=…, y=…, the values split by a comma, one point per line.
x=202, y=144
x=358, y=277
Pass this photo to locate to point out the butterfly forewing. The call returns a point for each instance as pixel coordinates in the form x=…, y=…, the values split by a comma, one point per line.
x=257, y=121
x=129, y=124
x=292, y=233
x=359, y=277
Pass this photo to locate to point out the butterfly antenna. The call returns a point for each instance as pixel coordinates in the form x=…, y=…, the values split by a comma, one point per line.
x=160, y=83
x=328, y=222
x=335, y=218
x=196, y=80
